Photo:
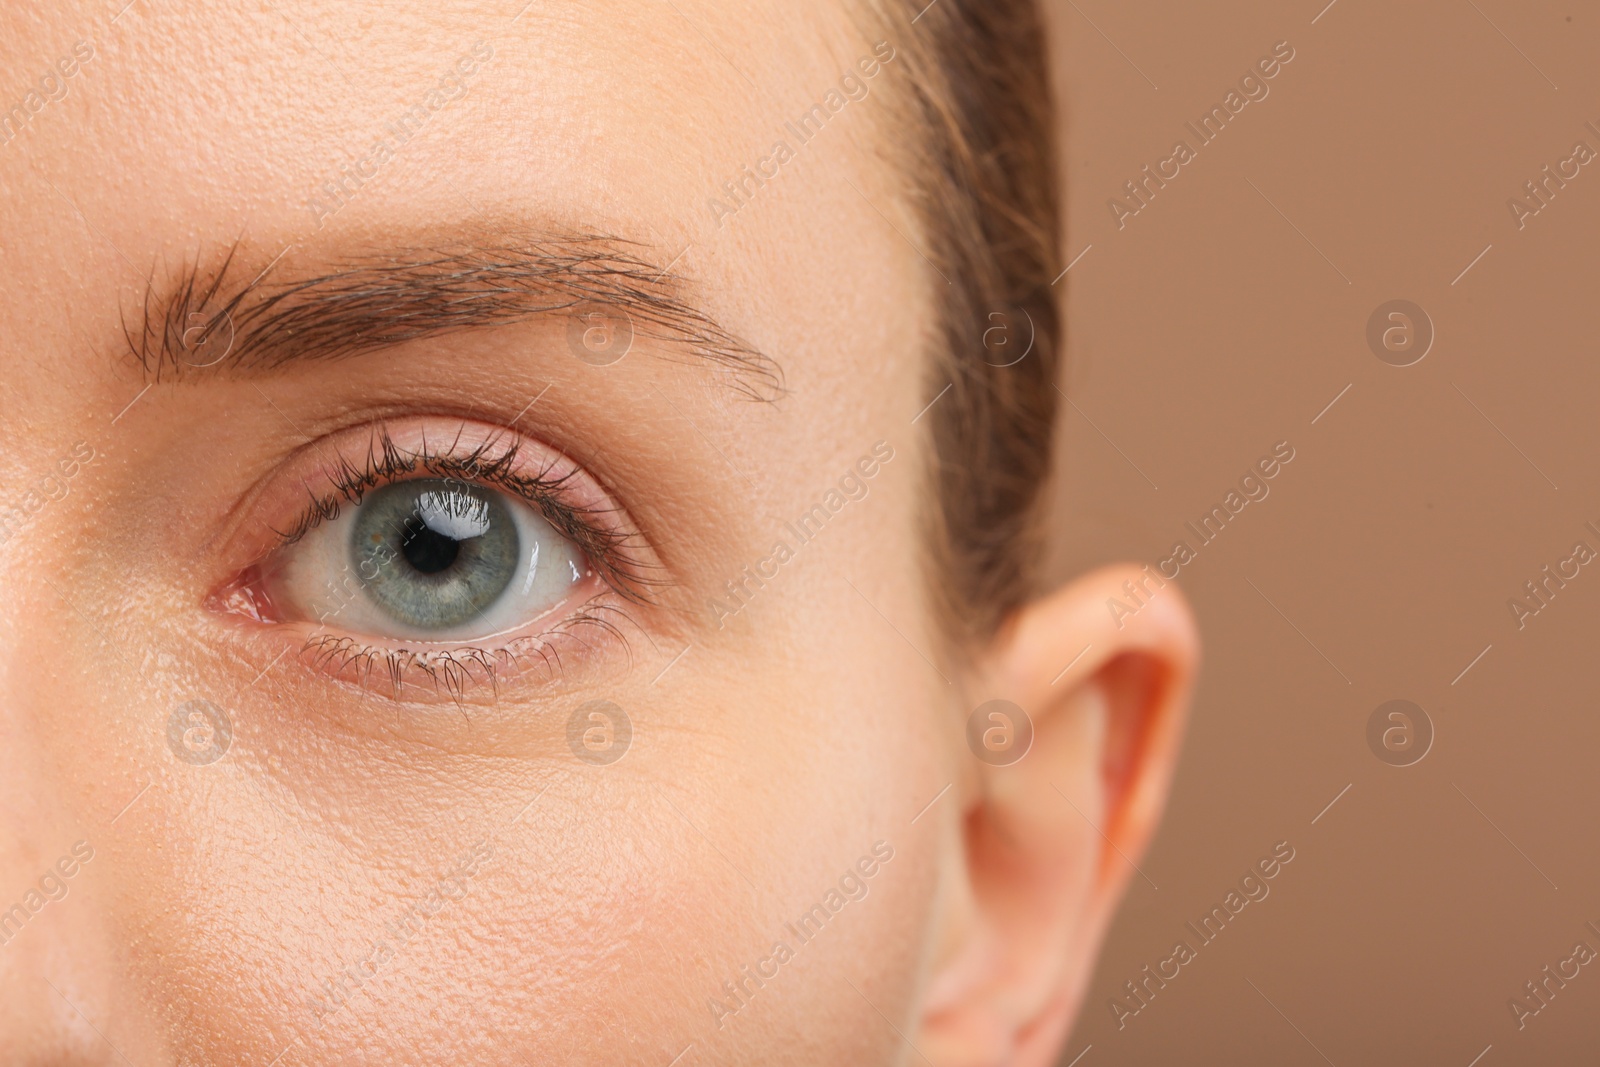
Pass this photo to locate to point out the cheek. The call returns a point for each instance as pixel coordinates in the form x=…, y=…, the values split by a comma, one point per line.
x=790, y=779
x=611, y=912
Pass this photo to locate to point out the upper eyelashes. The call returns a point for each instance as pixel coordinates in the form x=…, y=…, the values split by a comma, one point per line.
x=495, y=461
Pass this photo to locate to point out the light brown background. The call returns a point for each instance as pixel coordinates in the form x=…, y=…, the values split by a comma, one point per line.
x=1207, y=330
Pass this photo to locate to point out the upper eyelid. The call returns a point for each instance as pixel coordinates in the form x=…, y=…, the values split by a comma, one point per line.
x=613, y=548
x=353, y=483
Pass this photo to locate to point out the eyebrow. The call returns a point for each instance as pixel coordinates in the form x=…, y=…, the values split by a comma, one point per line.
x=366, y=300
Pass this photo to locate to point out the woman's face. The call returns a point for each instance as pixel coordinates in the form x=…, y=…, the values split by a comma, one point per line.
x=629, y=679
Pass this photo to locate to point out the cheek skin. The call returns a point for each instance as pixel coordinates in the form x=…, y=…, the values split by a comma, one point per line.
x=624, y=895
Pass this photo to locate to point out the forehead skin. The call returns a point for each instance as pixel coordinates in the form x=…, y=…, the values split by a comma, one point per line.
x=766, y=760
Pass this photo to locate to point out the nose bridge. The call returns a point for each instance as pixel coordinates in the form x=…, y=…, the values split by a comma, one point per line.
x=32, y=809
x=54, y=997
x=32, y=814
x=57, y=964
x=54, y=972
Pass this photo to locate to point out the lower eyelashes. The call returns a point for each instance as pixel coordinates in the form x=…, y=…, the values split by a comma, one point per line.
x=458, y=668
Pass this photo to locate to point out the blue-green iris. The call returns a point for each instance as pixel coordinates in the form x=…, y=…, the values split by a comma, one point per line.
x=434, y=554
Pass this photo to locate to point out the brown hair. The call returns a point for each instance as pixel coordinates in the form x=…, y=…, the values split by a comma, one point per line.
x=984, y=180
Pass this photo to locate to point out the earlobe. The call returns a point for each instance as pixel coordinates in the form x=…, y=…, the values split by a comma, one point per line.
x=1052, y=839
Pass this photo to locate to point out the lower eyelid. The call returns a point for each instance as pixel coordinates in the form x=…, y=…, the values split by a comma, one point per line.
x=471, y=671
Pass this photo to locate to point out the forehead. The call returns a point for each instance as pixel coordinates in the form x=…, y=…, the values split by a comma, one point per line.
x=181, y=127
x=269, y=89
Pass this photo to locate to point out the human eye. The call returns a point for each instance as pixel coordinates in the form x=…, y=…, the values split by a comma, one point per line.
x=457, y=553
x=429, y=559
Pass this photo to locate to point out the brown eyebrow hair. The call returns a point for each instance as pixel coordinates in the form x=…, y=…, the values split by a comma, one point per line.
x=369, y=300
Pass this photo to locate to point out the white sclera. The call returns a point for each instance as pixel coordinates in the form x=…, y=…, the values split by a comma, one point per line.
x=314, y=579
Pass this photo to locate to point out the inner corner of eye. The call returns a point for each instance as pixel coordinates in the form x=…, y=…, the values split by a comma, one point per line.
x=425, y=559
x=245, y=594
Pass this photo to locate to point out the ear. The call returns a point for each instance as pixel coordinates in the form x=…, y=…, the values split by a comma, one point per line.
x=1103, y=668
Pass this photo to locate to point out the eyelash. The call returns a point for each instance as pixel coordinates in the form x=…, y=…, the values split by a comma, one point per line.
x=609, y=548
x=612, y=549
x=452, y=670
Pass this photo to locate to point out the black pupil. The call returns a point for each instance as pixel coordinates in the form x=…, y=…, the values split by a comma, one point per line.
x=428, y=550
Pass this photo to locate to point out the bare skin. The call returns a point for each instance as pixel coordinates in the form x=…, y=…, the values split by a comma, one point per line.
x=397, y=845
